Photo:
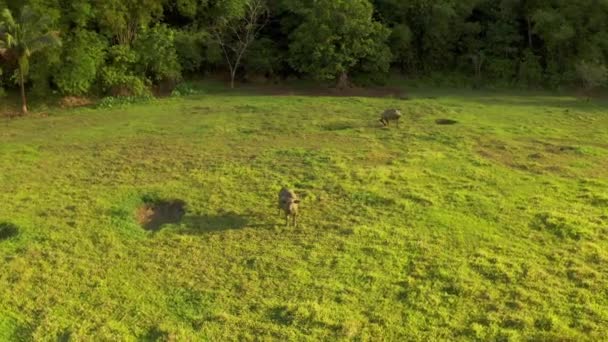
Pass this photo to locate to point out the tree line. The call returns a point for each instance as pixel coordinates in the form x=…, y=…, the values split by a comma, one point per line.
x=123, y=47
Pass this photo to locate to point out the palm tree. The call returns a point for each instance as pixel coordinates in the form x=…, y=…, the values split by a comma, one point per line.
x=23, y=37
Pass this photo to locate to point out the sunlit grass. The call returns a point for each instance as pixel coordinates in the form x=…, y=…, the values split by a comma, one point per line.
x=492, y=228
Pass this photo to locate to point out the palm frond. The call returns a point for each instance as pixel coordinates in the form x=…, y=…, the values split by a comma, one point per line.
x=7, y=40
x=6, y=20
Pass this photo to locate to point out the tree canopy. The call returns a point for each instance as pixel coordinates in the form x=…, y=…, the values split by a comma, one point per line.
x=23, y=36
x=127, y=46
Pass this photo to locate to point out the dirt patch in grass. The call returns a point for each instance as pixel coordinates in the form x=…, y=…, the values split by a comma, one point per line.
x=153, y=215
x=446, y=122
x=8, y=230
x=74, y=102
x=9, y=114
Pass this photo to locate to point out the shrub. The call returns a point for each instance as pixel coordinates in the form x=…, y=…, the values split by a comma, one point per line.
x=591, y=75
x=158, y=59
x=530, y=70
x=83, y=57
x=189, y=46
x=557, y=75
x=42, y=67
x=184, y=89
x=263, y=58
x=117, y=101
x=118, y=77
x=501, y=70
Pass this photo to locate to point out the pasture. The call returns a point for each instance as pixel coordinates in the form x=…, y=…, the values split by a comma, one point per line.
x=483, y=217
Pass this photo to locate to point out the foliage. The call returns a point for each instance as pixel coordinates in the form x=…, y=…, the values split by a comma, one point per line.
x=122, y=20
x=400, y=42
x=530, y=43
x=118, y=76
x=238, y=29
x=81, y=63
x=264, y=58
x=158, y=59
x=185, y=89
x=118, y=101
x=591, y=75
x=530, y=70
x=336, y=36
x=24, y=36
x=189, y=46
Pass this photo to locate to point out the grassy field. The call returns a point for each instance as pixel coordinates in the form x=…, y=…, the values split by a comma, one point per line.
x=494, y=228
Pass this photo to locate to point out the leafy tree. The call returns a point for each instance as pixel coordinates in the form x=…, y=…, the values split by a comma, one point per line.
x=238, y=30
x=530, y=70
x=118, y=77
x=400, y=43
x=158, y=59
x=190, y=47
x=263, y=58
x=122, y=19
x=591, y=75
x=532, y=42
x=334, y=37
x=82, y=60
x=24, y=36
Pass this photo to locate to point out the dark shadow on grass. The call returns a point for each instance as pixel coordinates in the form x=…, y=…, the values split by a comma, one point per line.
x=338, y=126
x=446, y=122
x=281, y=315
x=216, y=223
x=154, y=334
x=8, y=230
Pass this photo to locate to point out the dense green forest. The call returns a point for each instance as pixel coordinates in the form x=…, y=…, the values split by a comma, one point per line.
x=120, y=47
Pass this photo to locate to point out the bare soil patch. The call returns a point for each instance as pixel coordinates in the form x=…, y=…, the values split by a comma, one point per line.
x=75, y=101
x=152, y=216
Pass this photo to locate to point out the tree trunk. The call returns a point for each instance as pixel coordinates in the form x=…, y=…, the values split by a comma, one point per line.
x=232, y=77
x=23, y=98
x=529, y=33
x=342, y=81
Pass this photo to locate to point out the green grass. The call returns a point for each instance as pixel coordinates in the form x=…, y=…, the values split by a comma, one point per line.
x=495, y=228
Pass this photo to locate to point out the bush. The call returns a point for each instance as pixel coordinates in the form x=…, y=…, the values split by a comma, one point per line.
x=184, y=89
x=83, y=57
x=118, y=77
x=263, y=58
x=400, y=42
x=189, y=47
x=158, y=59
x=501, y=70
x=43, y=65
x=558, y=75
x=530, y=70
x=117, y=101
x=591, y=75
